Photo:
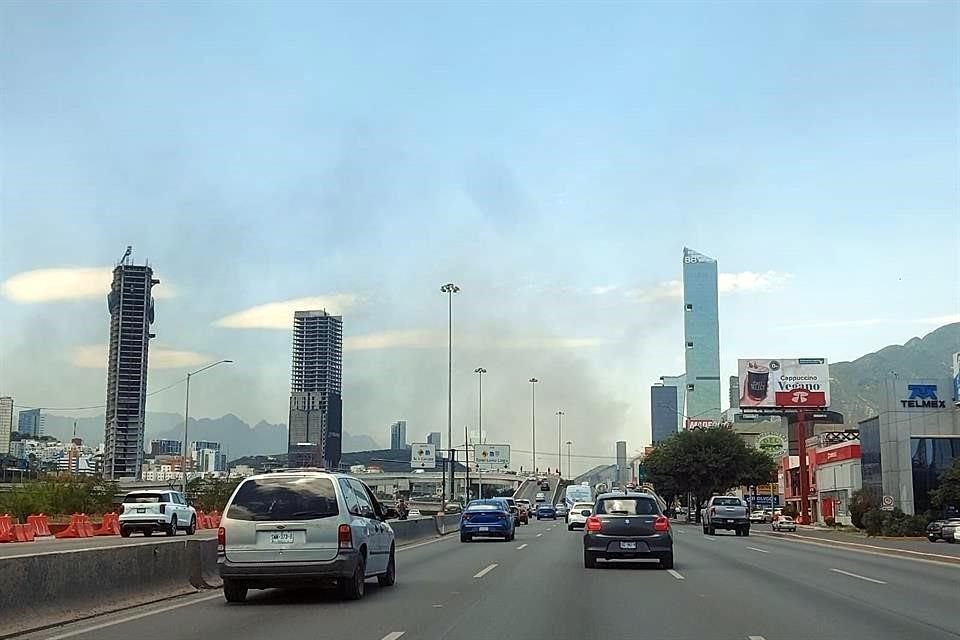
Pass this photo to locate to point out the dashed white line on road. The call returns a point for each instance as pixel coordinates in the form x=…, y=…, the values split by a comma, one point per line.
x=756, y=638
x=758, y=549
x=709, y=538
x=522, y=546
x=675, y=574
x=539, y=534
x=858, y=576
x=486, y=570
x=393, y=635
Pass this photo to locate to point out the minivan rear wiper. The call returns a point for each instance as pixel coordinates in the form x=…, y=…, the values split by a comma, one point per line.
x=314, y=514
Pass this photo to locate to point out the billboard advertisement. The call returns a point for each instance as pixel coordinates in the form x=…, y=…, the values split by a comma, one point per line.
x=423, y=456
x=784, y=383
x=490, y=457
x=956, y=377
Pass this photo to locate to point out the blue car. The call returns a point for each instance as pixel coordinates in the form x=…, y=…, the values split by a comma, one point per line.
x=546, y=511
x=487, y=518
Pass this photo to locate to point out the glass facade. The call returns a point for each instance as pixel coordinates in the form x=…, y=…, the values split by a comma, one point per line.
x=870, y=468
x=930, y=457
x=663, y=413
x=701, y=329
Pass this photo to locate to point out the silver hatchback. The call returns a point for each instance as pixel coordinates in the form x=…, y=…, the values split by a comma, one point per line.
x=302, y=527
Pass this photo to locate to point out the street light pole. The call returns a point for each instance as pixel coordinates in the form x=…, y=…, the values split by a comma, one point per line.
x=533, y=419
x=186, y=421
x=560, y=415
x=449, y=289
x=569, y=464
x=479, y=371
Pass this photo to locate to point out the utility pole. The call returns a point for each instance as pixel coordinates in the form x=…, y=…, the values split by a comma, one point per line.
x=533, y=420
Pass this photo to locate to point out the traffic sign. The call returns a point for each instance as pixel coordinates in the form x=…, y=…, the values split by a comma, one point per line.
x=492, y=456
x=423, y=456
x=887, y=502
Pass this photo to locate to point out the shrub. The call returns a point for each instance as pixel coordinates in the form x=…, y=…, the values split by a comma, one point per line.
x=59, y=495
x=861, y=502
x=893, y=523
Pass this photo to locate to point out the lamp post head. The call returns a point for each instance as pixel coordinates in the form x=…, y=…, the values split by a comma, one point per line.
x=534, y=380
x=480, y=370
x=449, y=288
x=560, y=412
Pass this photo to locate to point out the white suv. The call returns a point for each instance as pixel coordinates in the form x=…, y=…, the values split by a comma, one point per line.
x=304, y=526
x=156, y=510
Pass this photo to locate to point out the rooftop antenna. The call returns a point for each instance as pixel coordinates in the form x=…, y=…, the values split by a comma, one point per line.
x=126, y=254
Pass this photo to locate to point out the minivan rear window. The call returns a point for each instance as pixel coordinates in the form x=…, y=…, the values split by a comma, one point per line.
x=627, y=507
x=269, y=499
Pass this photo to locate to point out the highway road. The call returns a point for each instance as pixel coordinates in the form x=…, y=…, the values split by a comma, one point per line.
x=529, y=489
x=723, y=587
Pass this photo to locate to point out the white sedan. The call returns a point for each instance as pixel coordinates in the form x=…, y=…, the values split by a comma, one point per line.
x=784, y=523
x=414, y=513
x=576, y=518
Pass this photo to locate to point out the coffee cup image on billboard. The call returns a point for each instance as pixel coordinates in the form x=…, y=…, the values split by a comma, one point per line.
x=756, y=385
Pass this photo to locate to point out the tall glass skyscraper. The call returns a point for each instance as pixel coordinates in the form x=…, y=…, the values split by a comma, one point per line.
x=701, y=329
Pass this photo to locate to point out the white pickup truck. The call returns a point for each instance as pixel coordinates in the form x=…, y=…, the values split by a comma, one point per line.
x=725, y=512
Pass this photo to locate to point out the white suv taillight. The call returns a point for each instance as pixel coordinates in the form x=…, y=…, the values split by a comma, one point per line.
x=345, y=537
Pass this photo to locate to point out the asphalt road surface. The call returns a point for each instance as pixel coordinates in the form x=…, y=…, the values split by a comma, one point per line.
x=529, y=490
x=723, y=587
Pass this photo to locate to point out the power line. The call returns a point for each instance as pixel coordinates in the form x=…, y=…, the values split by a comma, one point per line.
x=98, y=406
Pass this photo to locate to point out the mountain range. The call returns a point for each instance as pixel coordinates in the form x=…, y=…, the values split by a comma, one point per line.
x=856, y=386
x=238, y=437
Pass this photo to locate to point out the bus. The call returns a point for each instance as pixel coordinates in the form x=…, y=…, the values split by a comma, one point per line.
x=577, y=493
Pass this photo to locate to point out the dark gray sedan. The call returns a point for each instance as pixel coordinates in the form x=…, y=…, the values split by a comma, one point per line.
x=627, y=526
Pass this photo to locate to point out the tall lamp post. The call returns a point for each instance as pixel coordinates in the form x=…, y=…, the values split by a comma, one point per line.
x=533, y=419
x=569, y=467
x=480, y=371
x=186, y=419
x=560, y=415
x=449, y=289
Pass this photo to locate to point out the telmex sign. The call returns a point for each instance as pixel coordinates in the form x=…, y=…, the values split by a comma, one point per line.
x=923, y=396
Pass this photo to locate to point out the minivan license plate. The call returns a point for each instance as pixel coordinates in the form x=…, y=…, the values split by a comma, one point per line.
x=281, y=537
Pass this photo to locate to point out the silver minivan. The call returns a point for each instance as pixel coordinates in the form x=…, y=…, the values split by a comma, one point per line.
x=304, y=526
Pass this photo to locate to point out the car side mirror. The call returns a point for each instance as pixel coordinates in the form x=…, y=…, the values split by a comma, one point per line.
x=585, y=512
x=390, y=513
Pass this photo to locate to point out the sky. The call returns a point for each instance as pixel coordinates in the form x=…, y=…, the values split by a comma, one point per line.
x=552, y=159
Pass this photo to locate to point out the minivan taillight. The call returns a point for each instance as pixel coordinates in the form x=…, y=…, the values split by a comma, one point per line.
x=221, y=539
x=662, y=523
x=345, y=537
x=594, y=524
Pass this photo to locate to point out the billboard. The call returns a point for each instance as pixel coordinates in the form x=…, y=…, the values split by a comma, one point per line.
x=492, y=456
x=784, y=383
x=423, y=456
x=956, y=377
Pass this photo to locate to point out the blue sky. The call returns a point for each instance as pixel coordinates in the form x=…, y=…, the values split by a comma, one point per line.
x=552, y=159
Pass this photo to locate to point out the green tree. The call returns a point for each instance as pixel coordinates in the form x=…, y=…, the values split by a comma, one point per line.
x=948, y=493
x=211, y=494
x=705, y=462
x=860, y=503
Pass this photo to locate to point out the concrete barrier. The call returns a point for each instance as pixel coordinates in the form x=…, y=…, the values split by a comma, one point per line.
x=448, y=523
x=61, y=586
x=409, y=530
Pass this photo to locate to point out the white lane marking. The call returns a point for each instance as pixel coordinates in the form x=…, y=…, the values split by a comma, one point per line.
x=788, y=539
x=756, y=638
x=393, y=635
x=539, y=534
x=522, y=546
x=709, y=538
x=858, y=576
x=486, y=570
x=680, y=532
x=760, y=551
x=137, y=616
x=423, y=544
x=675, y=574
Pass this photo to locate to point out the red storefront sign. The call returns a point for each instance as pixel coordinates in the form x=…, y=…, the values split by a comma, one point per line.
x=846, y=452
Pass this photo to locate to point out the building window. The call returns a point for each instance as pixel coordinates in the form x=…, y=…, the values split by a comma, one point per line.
x=689, y=307
x=689, y=387
x=689, y=345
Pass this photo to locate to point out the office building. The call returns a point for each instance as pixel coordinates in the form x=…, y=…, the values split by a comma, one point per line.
x=623, y=471
x=31, y=423
x=398, y=435
x=207, y=457
x=434, y=438
x=701, y=331
x=911, y=442
x=6, y=423
x=734, y=392
x=130, y=303
x=316, y=421
x=680, y=384
x=663, y=413
x=164, y=448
